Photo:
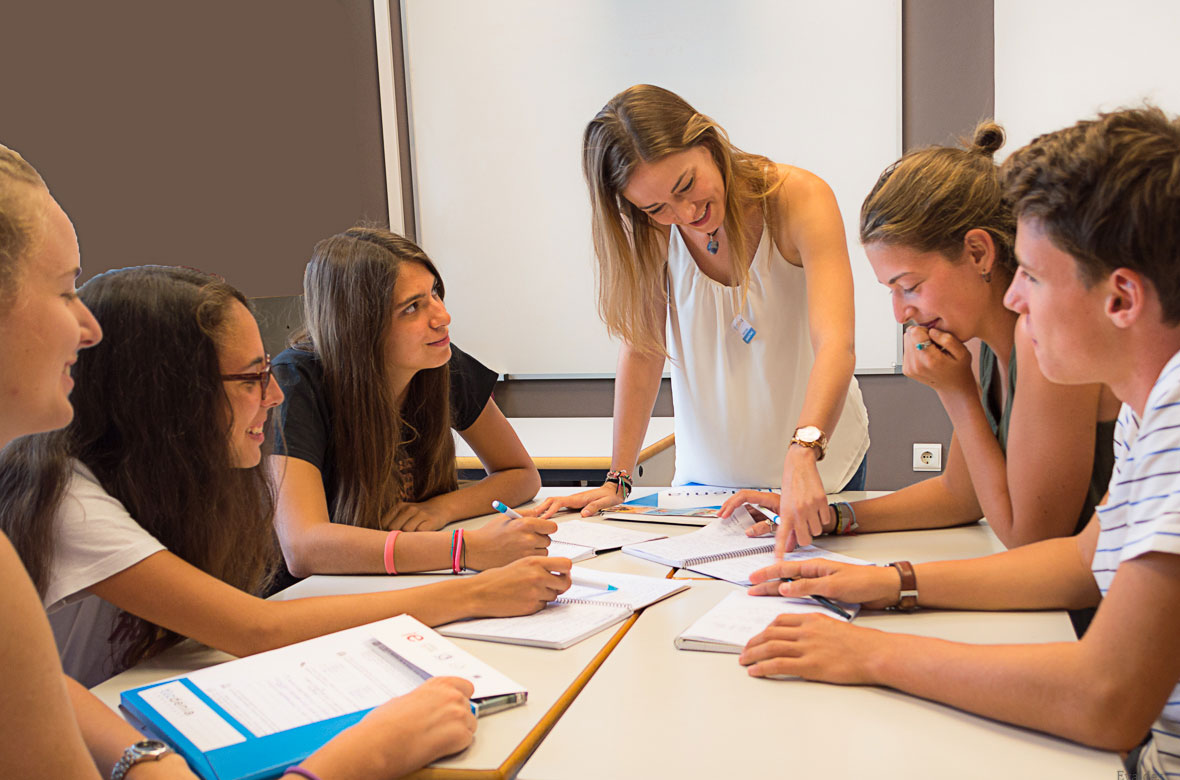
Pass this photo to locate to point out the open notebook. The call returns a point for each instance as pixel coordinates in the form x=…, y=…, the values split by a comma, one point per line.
x=722, y=550
x=252, y=717
x=690, y=505
x=578, y=613
x=739, y=617
x=582, y=539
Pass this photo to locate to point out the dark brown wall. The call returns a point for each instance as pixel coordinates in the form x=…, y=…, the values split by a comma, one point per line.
x=225, y=135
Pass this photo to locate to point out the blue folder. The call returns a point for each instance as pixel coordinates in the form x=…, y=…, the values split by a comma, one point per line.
x=257, y=758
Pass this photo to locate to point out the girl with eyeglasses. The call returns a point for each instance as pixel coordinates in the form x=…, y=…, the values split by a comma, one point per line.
x=180, y=411
x=149, y=517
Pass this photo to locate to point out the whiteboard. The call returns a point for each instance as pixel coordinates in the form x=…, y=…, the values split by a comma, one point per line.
x=500, y=93
x=1058, y=61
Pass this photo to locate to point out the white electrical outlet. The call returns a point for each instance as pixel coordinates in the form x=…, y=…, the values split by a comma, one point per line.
x=927, y=457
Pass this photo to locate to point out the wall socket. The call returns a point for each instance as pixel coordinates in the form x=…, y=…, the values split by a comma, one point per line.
x=927, y=457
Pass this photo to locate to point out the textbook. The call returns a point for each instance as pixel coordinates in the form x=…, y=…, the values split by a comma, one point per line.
x=739, y=617
x=575, y=615
x=251, y=718
x=580, y=539
x=722, y=550
x=692, y=505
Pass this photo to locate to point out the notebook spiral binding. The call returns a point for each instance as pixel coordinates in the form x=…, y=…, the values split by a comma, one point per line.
x=726, y=555
x=594, y=602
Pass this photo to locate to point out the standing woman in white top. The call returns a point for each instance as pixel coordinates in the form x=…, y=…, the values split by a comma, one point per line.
x=736, y=268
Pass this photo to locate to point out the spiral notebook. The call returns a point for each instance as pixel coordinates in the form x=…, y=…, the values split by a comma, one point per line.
x=582, y=539
x=722, y=550
x=738, y=618
x=575, y=615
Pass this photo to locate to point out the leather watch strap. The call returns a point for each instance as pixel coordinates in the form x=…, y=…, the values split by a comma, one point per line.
x=908, y=597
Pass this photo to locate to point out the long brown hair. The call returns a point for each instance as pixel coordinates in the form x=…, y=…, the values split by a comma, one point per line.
x=151, y=421
x=931, y=197
x=641, y=124
x=348, y=305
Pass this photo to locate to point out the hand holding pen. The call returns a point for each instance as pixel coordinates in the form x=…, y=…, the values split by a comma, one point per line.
x=584, y=580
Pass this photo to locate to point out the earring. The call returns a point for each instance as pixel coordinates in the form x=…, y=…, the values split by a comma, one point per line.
x=986, y=276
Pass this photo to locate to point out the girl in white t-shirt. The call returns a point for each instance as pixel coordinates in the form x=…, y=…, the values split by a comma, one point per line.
x=149, y=518
x=52, y=726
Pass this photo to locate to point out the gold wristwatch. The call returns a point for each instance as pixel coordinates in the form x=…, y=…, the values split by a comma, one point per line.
x=810, y=436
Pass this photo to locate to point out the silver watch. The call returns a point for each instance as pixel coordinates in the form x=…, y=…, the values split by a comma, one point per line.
x=147, y=750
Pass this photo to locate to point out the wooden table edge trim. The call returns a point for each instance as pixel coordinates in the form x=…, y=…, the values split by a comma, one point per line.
x=532, y=740
x=469, y=462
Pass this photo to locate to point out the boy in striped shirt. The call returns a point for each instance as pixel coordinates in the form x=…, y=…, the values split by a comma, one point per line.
x=1098, y=241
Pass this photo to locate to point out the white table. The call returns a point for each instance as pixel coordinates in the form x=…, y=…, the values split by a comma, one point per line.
x=655, y=711
x=627, y=704
x=569, y=447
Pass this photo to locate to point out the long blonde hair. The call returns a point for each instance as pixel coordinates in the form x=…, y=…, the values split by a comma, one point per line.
x=642, y=124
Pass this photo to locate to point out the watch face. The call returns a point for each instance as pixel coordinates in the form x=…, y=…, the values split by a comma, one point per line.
x=808, y=433
x=151, y=747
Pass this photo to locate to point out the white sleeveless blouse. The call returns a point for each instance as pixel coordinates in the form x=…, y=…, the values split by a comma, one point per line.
x=736, y=403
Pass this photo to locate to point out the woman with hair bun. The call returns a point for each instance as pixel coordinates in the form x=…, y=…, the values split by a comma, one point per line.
x=735, y=269
x=1032, y=456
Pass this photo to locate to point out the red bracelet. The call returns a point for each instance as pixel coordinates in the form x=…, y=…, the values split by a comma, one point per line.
x=389, y=542
x=457, y=550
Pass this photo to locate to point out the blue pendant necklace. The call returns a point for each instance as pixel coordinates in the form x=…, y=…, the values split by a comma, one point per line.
x=712, y=246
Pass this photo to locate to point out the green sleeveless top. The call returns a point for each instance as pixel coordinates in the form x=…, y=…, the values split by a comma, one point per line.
x=999, y=414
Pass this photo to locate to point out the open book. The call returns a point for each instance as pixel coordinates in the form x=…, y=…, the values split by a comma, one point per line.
x=582, y=539
x=722, y=550
x=253, y=717
x=739, y=617
x=578, y=613
x=692, y=505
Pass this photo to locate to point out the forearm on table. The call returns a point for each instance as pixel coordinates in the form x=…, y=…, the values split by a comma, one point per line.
x=1049, y=687
x=1050, y=574
x=931, y=503
x=433, y=604
x=512, y=486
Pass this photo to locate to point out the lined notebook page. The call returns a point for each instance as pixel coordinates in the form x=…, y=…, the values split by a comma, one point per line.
x=727, y=627
x=557, y=625
x=600, y=536
x=725, y=535
x=737, y=570
x=575, y=552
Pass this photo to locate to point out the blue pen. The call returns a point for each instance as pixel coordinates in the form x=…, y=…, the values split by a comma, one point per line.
x=504, y=509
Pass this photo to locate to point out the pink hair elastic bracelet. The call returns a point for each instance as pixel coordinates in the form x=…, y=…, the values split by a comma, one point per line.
x=390, y=541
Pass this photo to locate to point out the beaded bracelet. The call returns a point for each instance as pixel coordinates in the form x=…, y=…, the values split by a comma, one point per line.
x=390, y=541
x=621, y=478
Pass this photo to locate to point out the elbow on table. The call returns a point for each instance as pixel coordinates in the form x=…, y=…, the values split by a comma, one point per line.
x=299, y=557
x=1113, y=717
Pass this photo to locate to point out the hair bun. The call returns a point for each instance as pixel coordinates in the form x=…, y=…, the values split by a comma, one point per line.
x=987, y=138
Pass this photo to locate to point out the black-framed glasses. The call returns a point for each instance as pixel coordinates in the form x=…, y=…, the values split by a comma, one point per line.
x=261, y=377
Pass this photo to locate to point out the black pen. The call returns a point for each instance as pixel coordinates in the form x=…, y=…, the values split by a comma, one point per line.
x=823, y=601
